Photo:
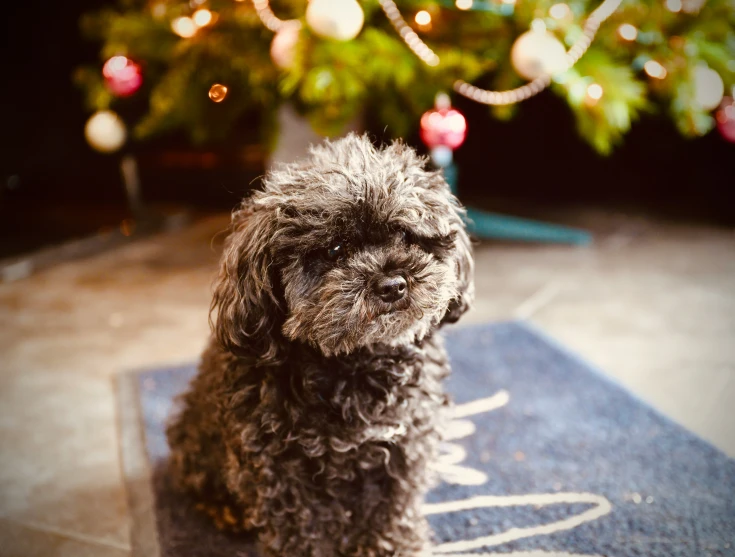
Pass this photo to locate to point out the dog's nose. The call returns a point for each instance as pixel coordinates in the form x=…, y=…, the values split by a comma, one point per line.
x=391, y=289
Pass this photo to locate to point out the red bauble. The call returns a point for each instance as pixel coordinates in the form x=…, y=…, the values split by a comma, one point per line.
x=443, y=127
x=122, y=76
x=726, y=119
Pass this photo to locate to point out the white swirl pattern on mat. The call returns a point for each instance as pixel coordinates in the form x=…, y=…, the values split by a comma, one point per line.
x=451, y=471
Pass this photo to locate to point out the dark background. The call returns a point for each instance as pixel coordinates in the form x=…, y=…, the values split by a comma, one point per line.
x=54, y=187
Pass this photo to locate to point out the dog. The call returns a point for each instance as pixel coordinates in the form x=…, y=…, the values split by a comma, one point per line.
x=315, y=414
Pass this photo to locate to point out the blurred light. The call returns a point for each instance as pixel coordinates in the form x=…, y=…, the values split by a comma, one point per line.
x=594, y=92
x=578, y=91
x=673, y=5
x=678, y=43
x=560, y=11
x=464, y=4
x=538, y=25
x=114, y=65
x=456, y=122
x=202, y=17
x=509, y=1
x=324, y=79
x=442, y=101
x=218, y=92
x=423, y=17
x=158, y=10
x=195, y=3
x=184, y=27
x=654, y=69
x=627, y=32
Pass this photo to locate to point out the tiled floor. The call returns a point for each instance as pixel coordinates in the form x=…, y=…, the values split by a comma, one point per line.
x=651, y=304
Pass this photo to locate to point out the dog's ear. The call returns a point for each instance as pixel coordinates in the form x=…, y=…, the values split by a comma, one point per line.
x=465, y=272
x=247, y=299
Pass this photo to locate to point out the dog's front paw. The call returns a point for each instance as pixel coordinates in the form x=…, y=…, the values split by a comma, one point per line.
x=226, y=518
x=403, y=542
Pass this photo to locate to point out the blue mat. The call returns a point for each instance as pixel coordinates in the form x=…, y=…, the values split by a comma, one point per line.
x=545, y=457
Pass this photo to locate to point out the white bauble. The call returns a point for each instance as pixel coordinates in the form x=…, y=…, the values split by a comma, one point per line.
x=537, y=53
x=283, y=45
x=708, y=87
x=105, y=131
x=335, y=19
x=692, y=6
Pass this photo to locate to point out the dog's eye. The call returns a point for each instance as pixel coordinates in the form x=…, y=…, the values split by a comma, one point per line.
x=336, y=251
x=439, y=246
x=405, y=237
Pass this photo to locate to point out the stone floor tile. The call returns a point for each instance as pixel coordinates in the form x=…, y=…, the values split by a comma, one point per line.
x=60, y=466
x=18, y=540
x=666, y=336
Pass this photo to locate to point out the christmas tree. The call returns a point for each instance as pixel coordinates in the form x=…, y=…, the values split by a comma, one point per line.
x=202, y=64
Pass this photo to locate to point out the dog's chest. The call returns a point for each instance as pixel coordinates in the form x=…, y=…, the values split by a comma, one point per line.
x=367, y=401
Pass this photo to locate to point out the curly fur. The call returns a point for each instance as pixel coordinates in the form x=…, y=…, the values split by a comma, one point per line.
x=315, y=411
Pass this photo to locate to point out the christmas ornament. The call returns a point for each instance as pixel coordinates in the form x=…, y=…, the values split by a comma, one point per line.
x=485, y=96
x=409, y=36
x=443, y=127
x=122, y=76
x=708, y=87
x=726, y=119
x=335, y=19
x=283, y=45
x=537, y=53
x=218, y=92
x=105, y=131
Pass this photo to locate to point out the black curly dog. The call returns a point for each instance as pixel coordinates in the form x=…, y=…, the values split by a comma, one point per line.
x=314, y=416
